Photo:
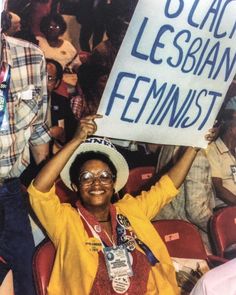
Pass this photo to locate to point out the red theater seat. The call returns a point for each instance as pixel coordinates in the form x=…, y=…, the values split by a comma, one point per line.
x=138, y=179
x=223, y=232
x=42, y=266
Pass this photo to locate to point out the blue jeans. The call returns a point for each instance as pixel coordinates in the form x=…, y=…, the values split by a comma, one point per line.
x=16, y=240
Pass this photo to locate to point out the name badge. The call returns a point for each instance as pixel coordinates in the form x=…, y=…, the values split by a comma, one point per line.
x=93, y=244
x=117, y=262
x=233, y=170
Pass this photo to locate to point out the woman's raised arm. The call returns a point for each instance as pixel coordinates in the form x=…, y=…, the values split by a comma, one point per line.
x=179, y=171
x=49, y=173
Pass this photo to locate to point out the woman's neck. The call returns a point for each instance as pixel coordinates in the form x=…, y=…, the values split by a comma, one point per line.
x=100, y=213
x=55, y=42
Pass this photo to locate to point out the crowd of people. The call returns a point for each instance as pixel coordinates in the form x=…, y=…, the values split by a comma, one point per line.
x=52, y=92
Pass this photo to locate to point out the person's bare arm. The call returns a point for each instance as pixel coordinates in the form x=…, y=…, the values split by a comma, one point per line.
x=6, y=287
x=40, y=152
x=179, y=171
x=223, y=193
x=49, y=173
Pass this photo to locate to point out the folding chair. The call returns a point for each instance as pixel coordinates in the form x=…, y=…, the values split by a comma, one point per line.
x=222, y=228
x=139, y=178
x=43, y=261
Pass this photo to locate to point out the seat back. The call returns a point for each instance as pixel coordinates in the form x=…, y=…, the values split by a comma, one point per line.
x=223, y=231
x=139, y=177
x=43, y=261
x=182, y=239
x=64, y=193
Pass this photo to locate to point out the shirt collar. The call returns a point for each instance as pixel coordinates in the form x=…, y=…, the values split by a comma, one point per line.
x=222, y=148
x=6, y=51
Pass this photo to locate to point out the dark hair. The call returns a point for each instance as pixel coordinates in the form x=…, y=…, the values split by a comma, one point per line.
x=58, y=66
x=88, y=75
x=82, y=158
x=5, y=21
x=227, y=119
x=55, y=17
x=116, y=27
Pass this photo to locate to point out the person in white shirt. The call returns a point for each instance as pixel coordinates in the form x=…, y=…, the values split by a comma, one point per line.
x=218, y=281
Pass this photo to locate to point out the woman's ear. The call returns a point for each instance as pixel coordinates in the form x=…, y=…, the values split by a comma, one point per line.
x=74, y=187
x=57, y=84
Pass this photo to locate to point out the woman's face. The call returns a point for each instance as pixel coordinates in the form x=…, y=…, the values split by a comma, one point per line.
x=97, y=186
x=53, y=31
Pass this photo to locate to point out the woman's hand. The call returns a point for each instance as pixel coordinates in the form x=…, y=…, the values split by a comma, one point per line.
x=50, y=172
x=87, y=127
x=212, y=134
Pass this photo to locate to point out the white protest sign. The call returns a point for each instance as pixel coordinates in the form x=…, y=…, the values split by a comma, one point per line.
x=172, y=71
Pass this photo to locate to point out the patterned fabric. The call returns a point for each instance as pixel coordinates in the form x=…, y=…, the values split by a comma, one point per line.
x=195, y=201
x=77, y=103
x=26, y=106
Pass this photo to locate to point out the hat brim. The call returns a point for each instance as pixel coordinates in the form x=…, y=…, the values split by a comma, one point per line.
x=116, y=158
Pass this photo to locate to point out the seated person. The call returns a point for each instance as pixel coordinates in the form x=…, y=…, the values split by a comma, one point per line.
x=97, y=235
x=53, y=27
x=61, y=119
x=218, y=281
x=92, y=80
x=221, y=155
x=195, y=201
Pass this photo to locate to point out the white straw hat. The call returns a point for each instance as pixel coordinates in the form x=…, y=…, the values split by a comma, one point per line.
x=102, y=145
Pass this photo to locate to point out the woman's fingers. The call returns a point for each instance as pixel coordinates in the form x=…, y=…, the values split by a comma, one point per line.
x=88, y=126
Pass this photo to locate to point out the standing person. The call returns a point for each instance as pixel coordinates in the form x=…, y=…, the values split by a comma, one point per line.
x=39, y=9
x=23, y=97
x=103, y=248
x=91, y=14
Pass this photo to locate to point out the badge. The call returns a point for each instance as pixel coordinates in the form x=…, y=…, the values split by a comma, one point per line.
x=121, y=284
x=123, y=221
x=97, y=228
x=93, y=244
x=233, y=170
x=120, y=230
x=117, y=262
x=129, y=243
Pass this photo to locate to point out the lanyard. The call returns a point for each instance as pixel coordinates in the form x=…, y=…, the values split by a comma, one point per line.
x=123, y=238
x=95, y=232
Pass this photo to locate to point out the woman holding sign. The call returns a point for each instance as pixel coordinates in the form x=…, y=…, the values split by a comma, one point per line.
x=104, y=248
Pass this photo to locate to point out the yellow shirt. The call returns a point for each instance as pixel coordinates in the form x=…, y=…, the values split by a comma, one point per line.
x=76, y=265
